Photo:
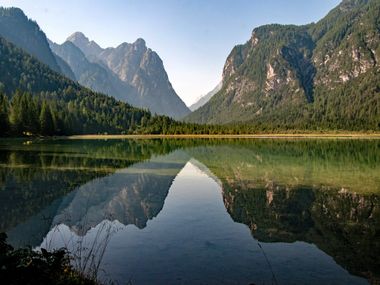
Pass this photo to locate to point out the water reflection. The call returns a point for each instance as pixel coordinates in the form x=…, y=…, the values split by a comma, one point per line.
x=132, y=195
x=177, y=211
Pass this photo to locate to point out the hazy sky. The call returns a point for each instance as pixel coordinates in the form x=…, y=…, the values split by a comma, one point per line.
x=193, y=37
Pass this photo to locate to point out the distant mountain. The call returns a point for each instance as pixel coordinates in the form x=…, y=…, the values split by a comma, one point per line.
x=94, y=75
x=324, y=75
x=205, y=98
x=26, y=34
x=139, y=67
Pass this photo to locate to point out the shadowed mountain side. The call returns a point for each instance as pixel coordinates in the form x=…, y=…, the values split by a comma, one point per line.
x=22, y=199
x=26, y=34
x=134, y=195
x=32, y=231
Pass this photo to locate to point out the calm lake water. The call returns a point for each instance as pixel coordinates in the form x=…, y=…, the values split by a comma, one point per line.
x=199, y=211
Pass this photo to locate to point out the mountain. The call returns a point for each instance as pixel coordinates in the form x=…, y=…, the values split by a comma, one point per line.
x=147, y=84
x=26, y=34
x=318, y=76
x=93, y=75
x=205, y=98
x=45, y=102
x=137, y=66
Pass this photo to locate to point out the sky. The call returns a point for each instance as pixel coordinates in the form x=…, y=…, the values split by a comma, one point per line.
x=192, y=37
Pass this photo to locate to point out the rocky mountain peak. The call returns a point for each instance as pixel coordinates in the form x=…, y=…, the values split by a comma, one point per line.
x=140, y=43
x=78, y=37
x=89, y=48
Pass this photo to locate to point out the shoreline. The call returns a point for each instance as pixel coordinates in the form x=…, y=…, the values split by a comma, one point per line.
x=242, y=136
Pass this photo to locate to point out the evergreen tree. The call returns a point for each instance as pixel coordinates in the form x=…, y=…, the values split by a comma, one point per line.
x=30, y=105
x=46, y=120
x=4, y=121
x=17, y=114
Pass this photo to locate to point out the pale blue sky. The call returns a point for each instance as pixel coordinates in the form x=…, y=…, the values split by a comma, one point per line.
x=193, y=37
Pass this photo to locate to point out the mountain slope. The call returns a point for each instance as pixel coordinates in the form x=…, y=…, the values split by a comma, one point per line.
x=140, y=67
x=26, y=34
x=73, y=108
x=65, y=68
x=204, y=99
x=323, y=75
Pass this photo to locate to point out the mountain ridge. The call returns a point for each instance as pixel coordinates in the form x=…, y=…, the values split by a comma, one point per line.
x=26, y=34
x=140, y=67
x=92, y=75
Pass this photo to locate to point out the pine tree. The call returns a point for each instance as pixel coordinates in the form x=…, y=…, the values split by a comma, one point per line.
x=4, y=120
x=17, y=114
x=29, y=106
x=46, y=120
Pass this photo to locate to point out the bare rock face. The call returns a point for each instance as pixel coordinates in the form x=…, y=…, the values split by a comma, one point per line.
x=139, y=67
x=90, y=48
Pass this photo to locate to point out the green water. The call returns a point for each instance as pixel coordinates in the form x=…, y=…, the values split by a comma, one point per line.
x=201, y=211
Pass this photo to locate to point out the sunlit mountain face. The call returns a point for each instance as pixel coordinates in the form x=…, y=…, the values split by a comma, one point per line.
x=199, y=211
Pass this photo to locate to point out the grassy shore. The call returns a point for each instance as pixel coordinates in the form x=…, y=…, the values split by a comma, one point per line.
x=241, y=136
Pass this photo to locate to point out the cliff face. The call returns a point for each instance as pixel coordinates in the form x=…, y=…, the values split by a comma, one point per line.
x=139, y=67
x=318, y=74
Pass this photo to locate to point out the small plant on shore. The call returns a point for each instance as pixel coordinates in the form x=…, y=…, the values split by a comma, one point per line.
x=26, y=266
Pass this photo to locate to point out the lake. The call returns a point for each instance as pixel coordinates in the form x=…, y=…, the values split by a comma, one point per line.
x=199, y=211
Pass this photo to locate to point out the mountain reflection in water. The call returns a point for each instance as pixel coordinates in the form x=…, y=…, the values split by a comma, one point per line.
x=177, y=211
